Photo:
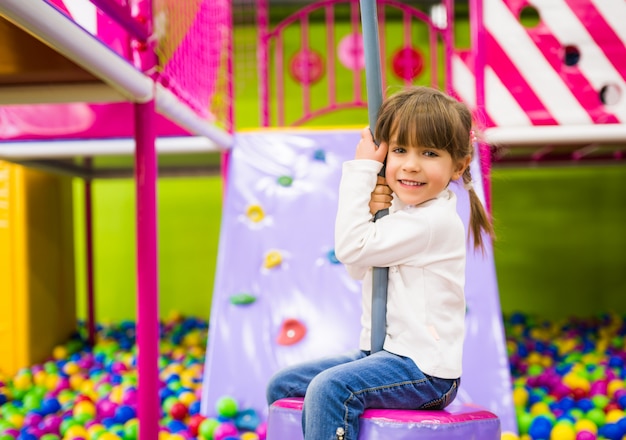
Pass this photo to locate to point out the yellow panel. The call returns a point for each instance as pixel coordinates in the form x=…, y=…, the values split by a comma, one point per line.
x=37, y=292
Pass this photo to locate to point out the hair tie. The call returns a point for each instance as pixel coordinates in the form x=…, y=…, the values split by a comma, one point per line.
x=469, y=185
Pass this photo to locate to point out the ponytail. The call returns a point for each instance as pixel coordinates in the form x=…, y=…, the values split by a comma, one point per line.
x=479, y=220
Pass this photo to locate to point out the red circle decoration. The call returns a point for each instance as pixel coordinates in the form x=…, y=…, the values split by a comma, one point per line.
x=407, y=63
x=307, y=67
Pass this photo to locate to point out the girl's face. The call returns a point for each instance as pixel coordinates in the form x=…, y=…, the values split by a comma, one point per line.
x=417, y=174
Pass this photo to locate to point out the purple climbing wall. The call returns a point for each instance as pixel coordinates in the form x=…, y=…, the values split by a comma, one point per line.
x=281, y=297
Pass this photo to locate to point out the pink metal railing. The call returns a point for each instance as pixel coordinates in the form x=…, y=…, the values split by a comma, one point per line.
x=272, y=57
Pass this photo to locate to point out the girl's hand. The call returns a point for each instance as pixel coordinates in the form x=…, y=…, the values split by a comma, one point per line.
x=381, y=196
x=367, y=149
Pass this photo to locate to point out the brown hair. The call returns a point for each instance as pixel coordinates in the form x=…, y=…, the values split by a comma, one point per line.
x=428, y=117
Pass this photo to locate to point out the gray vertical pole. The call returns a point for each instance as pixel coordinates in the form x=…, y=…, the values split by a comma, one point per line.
x=369, y=24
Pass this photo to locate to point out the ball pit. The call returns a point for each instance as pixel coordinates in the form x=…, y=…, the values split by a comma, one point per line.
x=568, y=383
x=85, y=393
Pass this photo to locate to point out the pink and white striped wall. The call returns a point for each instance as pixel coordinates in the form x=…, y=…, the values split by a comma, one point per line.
x=569, y=69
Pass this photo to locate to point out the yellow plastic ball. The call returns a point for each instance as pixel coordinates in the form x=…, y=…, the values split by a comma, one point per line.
x=109, y=436
x=614, y=416
x=187, y=398
x=613, y=386
x=59, y=352
x=539, y=408
x=15, y=419
x=40, y=377
x=520, y=397
x=84, y=407
x=254, y=436
x=76, y=381
x=586, y=425
x=509, y=436
x=71, y=368
x=51, y=381
x=76, y=431
x=22, y=382
x=563, y=431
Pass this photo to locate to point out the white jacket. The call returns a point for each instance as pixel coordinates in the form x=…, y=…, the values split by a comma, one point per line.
x=424, y=248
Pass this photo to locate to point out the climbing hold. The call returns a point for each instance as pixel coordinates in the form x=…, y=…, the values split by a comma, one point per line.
x=320, y=155
x=291, y=332
x=255, y=213
x=285, y=180
x=242, y=299
x=332, y=257
x=272, y=259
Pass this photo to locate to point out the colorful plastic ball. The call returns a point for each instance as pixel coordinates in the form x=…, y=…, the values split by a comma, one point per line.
x=585, y=435
x=193, y=425
x=563, y=431
x=611, y=431
x=509, y=436
x=124, y=413
x=108, y=436
x=226, y=406
x=524, y=420
x=84, y=411
x=178, y=411
x=176, y=426
x=75, y=432
x=586, y=425
x=597, y=416
x=194, y=407
x=207, y=428
x=520, y=396
x=261, y=430
x=131, y=429
x=540, y=427
x=49, y=437
x=225, y=430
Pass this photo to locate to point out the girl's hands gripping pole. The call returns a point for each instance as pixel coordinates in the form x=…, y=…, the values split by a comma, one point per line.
x=367, y=148
x=381, y=196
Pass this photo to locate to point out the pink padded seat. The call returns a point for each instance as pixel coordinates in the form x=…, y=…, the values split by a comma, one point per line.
x=457, y=422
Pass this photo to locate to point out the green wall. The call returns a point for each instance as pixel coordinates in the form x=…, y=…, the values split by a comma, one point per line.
x=561, y=246
x=188, y=225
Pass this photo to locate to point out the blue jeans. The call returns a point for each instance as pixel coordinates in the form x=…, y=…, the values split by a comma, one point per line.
x=338, y=389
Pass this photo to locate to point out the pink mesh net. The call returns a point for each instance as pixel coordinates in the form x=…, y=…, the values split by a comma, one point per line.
x=193, y=50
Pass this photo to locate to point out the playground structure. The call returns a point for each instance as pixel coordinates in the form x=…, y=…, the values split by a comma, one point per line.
x=553, y=106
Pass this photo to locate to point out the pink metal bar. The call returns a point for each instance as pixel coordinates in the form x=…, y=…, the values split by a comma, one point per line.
x=355, y=18
x=434, y=66
x=406, y=25
x=304, y=45
x=149, y=412
x=122, y=16
x=447, y=36
x=230, y=120
x=330, y=50
x=381, y=40
x=91, y=314
x=280, y=80
x=478, y=47
x=327, y=110
x=263, y=21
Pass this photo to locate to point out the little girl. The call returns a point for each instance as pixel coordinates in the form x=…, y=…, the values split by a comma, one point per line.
x=426, y=141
